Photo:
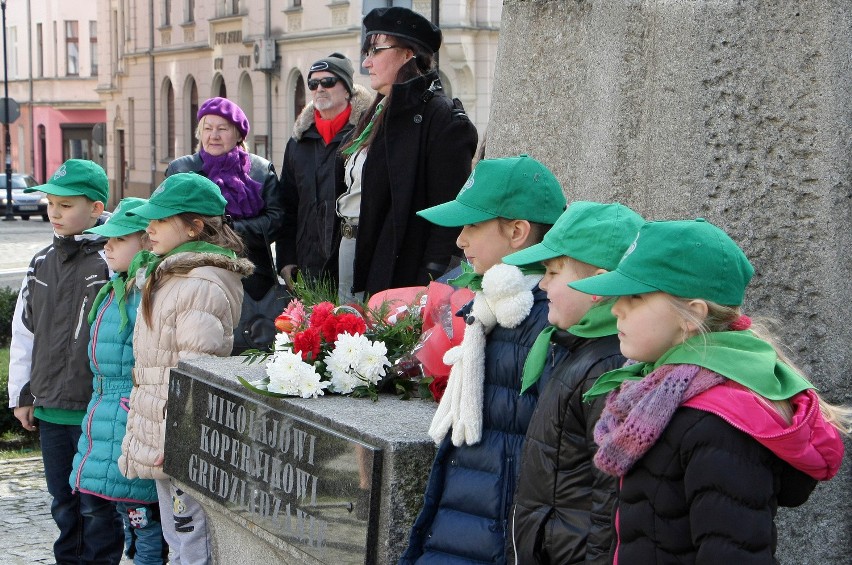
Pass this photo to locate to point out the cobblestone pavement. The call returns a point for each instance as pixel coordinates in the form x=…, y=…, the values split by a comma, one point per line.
x=27, y=530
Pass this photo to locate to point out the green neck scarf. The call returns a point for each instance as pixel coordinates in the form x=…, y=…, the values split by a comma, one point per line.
x=359, y=141
x=740, y=356
x=599, y=321
x=151, y=260
x=473, y=281
x=118, y=284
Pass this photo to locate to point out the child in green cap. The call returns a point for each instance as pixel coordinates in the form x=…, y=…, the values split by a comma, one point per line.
x=563, y=502
x=711, y=429
x=50, y=382
x=506, y=205
x=112, y=318
x=191, y=300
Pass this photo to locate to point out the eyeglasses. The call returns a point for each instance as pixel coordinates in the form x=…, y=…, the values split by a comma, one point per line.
x=326, y=82
x=374, y=49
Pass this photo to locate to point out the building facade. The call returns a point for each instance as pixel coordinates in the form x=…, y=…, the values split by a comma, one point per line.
x=161, y=59
x=51, y=69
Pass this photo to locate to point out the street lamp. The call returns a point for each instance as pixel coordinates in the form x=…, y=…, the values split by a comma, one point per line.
x=10, y=217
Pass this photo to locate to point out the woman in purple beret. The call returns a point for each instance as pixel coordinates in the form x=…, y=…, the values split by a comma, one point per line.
x=248, y=183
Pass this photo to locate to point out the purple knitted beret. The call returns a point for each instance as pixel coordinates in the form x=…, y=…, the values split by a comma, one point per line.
x=226, y=109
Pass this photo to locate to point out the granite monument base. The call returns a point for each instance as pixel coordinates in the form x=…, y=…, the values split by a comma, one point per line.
x=328, y=480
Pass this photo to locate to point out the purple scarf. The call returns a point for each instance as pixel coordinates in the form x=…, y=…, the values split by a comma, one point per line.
x=636, y=414
x=231, y=173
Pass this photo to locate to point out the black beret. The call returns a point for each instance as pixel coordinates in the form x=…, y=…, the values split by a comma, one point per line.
x=402, y=22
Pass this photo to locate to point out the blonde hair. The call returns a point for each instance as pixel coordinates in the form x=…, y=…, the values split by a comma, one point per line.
x=719, y=319
x=200, y=126
x=214, y=230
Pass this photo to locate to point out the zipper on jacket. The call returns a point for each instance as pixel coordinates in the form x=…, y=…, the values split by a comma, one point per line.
x=96, y=332
x=99, y=391
x=80, y=318
x=88, y=436
x=508, y=492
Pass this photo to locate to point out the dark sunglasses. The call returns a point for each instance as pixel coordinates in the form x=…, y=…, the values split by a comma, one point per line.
x=326, y=82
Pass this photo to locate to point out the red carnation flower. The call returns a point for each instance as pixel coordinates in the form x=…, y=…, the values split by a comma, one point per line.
x=438, y=386
x=344, y=323
x=308, y=344
x=319, y=313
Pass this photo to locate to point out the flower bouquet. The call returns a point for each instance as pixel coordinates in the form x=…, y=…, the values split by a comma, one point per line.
x=350, y=349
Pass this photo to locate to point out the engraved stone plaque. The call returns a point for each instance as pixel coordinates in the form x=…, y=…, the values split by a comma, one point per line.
x=301, y=483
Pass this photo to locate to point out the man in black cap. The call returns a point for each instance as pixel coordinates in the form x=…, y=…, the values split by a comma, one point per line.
x=307, y=179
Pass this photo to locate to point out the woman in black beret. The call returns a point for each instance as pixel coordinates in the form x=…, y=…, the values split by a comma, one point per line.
x=412, y=149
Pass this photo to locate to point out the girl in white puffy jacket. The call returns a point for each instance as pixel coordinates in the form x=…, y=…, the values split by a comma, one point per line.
x=191, y=300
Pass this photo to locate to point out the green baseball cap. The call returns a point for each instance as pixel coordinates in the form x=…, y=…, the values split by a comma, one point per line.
x=597, y=234
x=515, y=188
x=183, y=192
x=685, y=258
x=121, y=223
x=77, y=177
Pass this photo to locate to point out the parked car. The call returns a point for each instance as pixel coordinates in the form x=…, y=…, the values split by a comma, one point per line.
x=23, y=204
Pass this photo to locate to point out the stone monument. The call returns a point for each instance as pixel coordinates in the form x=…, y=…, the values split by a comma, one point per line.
x=332, y=480
x=739, y=112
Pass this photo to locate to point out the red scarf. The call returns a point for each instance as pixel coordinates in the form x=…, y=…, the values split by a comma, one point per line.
x=329, y=128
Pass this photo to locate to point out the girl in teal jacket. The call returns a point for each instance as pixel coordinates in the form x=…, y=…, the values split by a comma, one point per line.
x=113, y=316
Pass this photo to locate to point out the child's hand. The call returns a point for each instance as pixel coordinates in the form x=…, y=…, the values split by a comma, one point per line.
x=158, y=462
x=24, y=414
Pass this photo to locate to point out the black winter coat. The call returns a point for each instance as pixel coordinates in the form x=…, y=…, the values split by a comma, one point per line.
x=258, y=232
x=419, y=158
x=705, y=493
x=309, y=187
x=469, y=495
x=563, y=504
x=62, y=282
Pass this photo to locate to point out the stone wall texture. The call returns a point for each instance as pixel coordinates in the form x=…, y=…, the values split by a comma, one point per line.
x=739, y=112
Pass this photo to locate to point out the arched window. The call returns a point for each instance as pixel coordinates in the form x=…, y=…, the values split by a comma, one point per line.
x=218, y=87
x=298, y=95
x=191, y=109
x=169, y=119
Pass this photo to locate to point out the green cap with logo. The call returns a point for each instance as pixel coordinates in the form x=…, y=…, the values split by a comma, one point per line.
x=684, y=258
x=121, y=223
x=183, y=192
x=597, y=234
x=77, y=177
x=514, y=188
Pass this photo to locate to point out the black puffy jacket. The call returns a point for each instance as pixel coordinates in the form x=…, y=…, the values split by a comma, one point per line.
x=705, y=493
x=563, y=503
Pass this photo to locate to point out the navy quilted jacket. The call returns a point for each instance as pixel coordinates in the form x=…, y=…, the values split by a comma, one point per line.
x=95, y=469
x=469, y=494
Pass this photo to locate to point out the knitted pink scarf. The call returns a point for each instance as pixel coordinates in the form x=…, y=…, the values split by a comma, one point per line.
x=636, y=414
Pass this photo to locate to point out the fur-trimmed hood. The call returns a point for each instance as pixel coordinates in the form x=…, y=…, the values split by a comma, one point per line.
x=182, y=263
x=360, y=101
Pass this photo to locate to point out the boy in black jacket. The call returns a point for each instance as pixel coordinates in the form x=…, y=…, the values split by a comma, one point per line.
x=563, y=502
x=50, y=381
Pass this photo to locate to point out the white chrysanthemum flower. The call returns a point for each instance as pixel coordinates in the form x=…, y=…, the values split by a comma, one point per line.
x=282, y=340
x=310, y=385
x=348, y=349
x=288, y=374
x=374, y=361
x=343, y=382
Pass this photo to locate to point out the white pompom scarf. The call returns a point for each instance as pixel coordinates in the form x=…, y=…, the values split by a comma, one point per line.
x=506, y=299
